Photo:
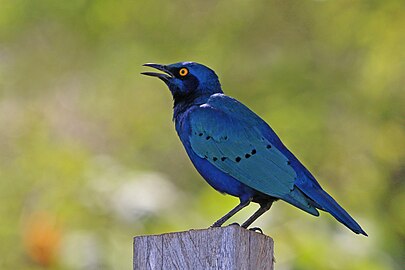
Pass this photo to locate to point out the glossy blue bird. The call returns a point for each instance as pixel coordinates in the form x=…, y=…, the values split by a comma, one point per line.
x=236, y=151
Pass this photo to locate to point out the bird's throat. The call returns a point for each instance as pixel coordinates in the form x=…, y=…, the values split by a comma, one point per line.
x=183, y=101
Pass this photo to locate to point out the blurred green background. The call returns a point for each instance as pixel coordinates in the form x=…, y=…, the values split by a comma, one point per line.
x=89, y=157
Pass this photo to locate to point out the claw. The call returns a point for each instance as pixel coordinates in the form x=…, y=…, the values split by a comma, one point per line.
x=256, y=229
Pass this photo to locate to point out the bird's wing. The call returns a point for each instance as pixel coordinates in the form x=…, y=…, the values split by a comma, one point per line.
x=228, y=135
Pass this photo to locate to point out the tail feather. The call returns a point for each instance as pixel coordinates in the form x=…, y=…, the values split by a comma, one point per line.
x=325, y=202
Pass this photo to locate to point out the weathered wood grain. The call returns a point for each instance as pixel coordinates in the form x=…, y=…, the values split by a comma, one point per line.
x=230, y=247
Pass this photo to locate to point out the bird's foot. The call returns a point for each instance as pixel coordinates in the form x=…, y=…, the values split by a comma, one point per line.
x=256, y=229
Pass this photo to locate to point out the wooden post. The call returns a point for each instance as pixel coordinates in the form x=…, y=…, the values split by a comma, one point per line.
x=229, y=248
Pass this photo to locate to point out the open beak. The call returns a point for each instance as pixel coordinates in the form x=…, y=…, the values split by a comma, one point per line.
x=164, y=77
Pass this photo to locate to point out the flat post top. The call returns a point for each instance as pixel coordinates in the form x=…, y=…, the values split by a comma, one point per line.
x=231, y=247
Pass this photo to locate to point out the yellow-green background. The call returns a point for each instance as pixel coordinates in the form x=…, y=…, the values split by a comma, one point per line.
x=89, y=154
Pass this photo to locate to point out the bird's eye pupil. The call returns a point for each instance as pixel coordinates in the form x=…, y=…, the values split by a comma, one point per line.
x=183, y=72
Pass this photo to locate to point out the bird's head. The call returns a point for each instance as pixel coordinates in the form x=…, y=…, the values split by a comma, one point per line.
x=187, y=79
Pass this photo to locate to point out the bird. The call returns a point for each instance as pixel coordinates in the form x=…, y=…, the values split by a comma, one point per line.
x=236, y=151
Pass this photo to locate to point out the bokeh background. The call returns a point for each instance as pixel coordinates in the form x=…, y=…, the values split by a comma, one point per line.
x=89, y=157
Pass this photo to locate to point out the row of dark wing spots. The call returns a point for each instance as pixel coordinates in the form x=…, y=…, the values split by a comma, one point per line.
x=247, y=155
x=238, y=158
x=200, y=134
x=208, y=137
x=215, y=158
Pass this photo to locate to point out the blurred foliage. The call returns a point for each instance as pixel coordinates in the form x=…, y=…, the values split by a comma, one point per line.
x=89, y=157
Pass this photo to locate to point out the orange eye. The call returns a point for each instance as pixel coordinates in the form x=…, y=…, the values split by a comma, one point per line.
x=183, y=72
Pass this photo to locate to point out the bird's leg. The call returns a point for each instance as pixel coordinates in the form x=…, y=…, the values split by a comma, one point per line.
x=263, y=208
x=223, y=219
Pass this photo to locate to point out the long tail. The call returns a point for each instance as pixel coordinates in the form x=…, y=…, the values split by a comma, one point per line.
x=324, y=201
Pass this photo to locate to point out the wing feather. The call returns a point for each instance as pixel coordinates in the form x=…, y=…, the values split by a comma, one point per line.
x=239, y=143
x=237, y=147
